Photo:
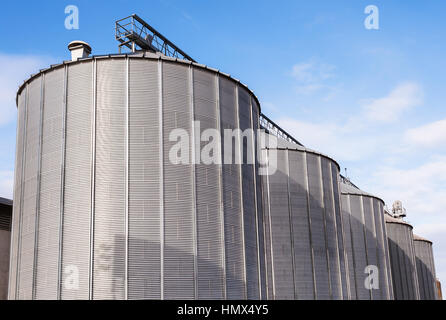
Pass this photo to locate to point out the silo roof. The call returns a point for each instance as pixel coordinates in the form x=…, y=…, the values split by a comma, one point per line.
x=418, y=238
x=349, y=189
x=141, y=55
x=286, y=145
x=390, y=219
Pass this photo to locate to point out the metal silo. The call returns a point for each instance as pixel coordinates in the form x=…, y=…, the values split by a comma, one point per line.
x=366, y=243
x=424, y=256
x=303, y=226
x=100, y=211
x=402, y=259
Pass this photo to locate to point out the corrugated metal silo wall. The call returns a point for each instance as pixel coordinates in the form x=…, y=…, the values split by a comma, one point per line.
x=100, y=211
x=303, y=228
x=425, y=270
x=366, y=244
x=402, y=261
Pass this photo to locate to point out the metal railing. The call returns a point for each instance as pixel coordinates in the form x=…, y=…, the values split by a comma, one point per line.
x=136, y=34
x=272, y=128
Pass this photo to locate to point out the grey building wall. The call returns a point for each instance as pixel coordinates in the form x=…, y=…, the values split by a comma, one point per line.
x=97, y=196
x=303, y=227
x=402, y=259
x=424, y=257
x=5, y=243
x=366, y=243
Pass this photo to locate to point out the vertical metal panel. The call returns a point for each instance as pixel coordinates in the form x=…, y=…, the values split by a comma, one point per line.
x=387, y=254
x=339, y=231
x=208, y=196
x=29, y=192
x=109, y=218
x=178, y=206
x=220, y=189
x=370, y=240
x=359, y=245
x=259, y=196
x=331, y=230
x=269, y=263
x=248, y=196
x=397, y=273
x=93, y=176
x=18, y=192
x=280, y=230
x=235, y=271
x=318, y=237
x=77, y=186
x=161, y=173
x=50, y=187
x=378, y=218
x=348, y=231
x=303, y=268
x=144, y=194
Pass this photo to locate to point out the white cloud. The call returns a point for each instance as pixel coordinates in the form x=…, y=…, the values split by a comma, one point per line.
x=6, y=184
x=389, y=108
x=335, y=140
x=421, y=188
x=429, y=135
x=14, y=70
x=312, y=76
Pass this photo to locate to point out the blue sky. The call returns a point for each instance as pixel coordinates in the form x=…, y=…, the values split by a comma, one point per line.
x=372, y=99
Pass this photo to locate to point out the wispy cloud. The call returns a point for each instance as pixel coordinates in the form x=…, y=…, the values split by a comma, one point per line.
x=389, y=108
x=14, y=69
x=430, y=135
x=312, y=76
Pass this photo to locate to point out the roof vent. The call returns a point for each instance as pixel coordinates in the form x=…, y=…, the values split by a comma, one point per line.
x=398, y=210
x=79, y=49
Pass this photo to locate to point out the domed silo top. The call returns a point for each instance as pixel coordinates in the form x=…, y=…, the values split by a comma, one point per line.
x=418, y=238
x=347, y=188
x=136, y=55
x=390, y=219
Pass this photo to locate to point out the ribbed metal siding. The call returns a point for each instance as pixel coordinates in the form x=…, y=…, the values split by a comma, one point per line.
x=259, y=197
x=318, y=233
x=385, y=285
x=300, y=225
x=348, y=236
x=233, y=220
x=77, y=194
x=144, y=180
x=210, y=277
x=402, y=260
x=425, y=270
x=109, y=215
x=249, y=201
x=340, y=232
x=26, y=247
x=331, y=230
x=303, y=266
x=110, y=131
x=15, y=227
x=47, y=246
x=359, y=245
x=280, y=230
x=179, y=242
